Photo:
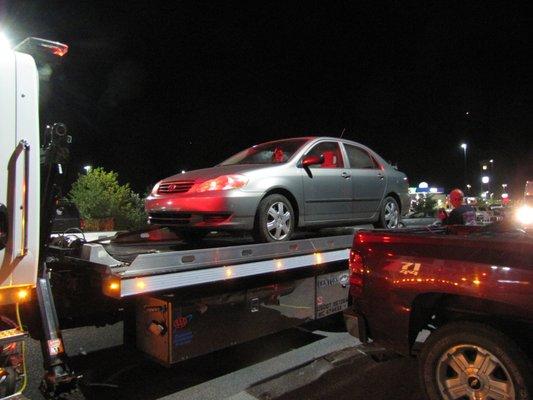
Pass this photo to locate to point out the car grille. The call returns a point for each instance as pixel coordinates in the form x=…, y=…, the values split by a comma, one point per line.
x=169, y=218
x=175, y=187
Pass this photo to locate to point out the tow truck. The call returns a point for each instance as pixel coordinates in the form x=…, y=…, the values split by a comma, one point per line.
x=176, y=303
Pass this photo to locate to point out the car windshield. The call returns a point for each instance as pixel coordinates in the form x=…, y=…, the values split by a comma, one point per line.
x=277, y=152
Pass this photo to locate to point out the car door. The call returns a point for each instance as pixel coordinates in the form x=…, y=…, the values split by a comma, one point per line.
x=327, y=187
x=368, y=182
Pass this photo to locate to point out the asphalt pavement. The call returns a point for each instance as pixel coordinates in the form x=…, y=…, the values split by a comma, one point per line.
x=294, y=364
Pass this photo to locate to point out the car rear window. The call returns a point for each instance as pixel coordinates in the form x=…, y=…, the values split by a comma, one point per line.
x=359, y=158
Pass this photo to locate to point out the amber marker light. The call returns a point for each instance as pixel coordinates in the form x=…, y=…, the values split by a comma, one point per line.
x=141, y=285
x=23, y=294
x=14, y=294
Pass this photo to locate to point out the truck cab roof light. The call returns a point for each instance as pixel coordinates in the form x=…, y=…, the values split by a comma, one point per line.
x=35, y=46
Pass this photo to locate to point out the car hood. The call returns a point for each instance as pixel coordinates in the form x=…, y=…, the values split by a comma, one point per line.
x=200, y=175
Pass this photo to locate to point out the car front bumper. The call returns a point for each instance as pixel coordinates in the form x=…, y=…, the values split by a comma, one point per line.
x=225, y=210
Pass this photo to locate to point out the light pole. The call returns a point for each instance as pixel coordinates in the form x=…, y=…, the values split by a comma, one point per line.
x=492, y=177
x=464, y=146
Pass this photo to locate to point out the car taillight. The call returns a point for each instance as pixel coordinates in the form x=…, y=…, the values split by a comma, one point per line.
x=356, y=268
x=224, y=182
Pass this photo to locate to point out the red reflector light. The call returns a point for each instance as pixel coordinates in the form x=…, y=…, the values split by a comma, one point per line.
x=356, y=268
x=355, y=262
x=59, y=50
x=360, y=238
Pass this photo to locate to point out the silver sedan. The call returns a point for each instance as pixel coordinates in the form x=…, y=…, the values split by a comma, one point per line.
x=274, y=188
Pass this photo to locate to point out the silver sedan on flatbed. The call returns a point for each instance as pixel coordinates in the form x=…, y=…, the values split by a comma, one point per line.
x=274, y=188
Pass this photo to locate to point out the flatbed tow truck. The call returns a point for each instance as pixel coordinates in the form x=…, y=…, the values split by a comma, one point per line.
x=176, y=303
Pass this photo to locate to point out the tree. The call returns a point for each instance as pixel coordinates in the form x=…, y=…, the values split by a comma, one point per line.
x=425, y=204
x=98, y=195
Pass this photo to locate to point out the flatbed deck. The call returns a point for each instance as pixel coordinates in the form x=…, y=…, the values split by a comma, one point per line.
x=134, y=267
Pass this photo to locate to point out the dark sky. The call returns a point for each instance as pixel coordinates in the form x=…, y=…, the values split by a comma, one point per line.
x=151, y=88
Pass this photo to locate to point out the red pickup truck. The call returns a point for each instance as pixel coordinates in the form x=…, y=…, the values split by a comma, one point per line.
x=458, y=297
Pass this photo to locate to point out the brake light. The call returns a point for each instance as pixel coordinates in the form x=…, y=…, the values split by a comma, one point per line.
x=224, y=182
x=357, y=269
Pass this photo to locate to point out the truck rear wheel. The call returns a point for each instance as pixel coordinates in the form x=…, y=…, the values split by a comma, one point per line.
x=470, y=360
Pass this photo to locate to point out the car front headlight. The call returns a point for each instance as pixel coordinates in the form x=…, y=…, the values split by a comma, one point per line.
x=224, y=182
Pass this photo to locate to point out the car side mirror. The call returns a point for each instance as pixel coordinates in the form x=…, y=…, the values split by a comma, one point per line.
x=310, y=159
x=3, y=226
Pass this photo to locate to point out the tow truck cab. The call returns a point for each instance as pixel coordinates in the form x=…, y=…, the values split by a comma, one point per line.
x=19, y=174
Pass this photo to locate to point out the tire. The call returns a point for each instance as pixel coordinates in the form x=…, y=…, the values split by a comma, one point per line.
x=389, y=215
x=274, y=219
x=471, y=358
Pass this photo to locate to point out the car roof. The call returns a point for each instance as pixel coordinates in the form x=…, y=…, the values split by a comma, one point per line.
x=310, y=139
x=317, y=138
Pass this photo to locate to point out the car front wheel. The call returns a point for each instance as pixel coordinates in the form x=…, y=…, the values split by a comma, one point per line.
x=389, y=216
x=470, y=360
x=275, y=220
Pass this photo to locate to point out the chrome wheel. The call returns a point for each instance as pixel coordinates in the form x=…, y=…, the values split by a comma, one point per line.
x=391, y=215
x=472, y=372
x=279, y=221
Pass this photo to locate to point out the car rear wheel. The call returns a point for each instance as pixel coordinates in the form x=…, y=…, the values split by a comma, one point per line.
x=470, y=360
x=275, y=220
x=389, y=216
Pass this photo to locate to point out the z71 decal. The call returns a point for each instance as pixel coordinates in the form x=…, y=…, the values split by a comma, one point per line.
x=409, y=268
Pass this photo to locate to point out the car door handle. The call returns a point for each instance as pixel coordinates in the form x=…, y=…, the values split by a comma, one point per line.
x=346, y=175
x=380, y=176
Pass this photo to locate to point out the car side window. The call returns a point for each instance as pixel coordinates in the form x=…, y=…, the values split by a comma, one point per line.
x=359, y=158
x=331, y=152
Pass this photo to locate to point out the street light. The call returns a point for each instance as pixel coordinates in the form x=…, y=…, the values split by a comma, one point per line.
x=464, y=147
x=485, y=179
x=87, y=168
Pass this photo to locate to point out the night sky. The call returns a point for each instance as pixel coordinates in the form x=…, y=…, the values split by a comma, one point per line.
x=150, y=88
